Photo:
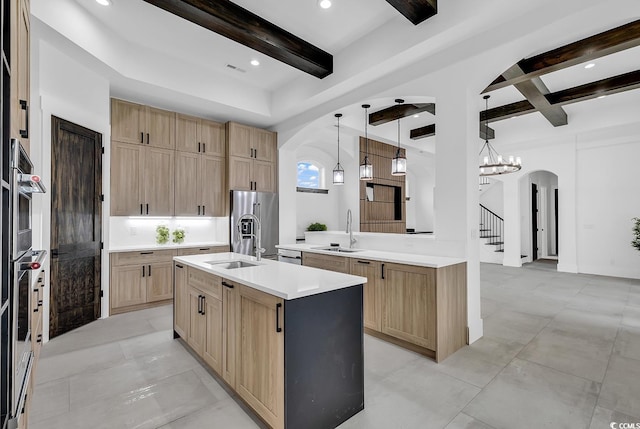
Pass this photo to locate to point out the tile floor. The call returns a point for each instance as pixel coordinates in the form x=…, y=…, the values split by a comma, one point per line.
x=559, y=351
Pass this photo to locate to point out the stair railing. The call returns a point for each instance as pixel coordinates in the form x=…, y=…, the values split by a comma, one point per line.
x=492, y=227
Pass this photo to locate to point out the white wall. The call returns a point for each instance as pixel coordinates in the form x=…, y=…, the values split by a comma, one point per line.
x=420, y=188
x=493, y=198
x=62, y=87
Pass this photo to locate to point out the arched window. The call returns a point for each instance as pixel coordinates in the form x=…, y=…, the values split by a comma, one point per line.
x=310, y=175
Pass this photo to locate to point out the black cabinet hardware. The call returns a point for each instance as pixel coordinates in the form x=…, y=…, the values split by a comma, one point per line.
x=147, y=208
x=149, y=270
x=364, y=262
x=142, y=137
x=146, y=253
x=198, y=210
x=35, y=310
x=24, y=106
x=204, y=148
x=205, y=248
x=203, y=301
x=140, y=208
x=143, y=271
x=229, y=285
x=199, y=304
x=39, y=340
x=179, y=266
x=382, y=271
x=148, y=138
x=202, y=210
x=251, y=152
x=39, y=303
x=199, y=147
x=255, y=153
x=278, y=328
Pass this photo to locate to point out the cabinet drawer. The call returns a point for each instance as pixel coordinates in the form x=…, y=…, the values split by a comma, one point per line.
x=206, y=282
x=326, y=262
x=145, y=257
x=202, y=250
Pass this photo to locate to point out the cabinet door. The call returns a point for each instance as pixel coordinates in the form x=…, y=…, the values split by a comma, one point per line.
x=372, y=294
x=239, y=137
x=264, y=145
x=260, y=381
x=187, y=176
x=159, y=281
x=240, y=176
x=212, y=137
x=158, y=181
x=196, y=336
x=128, y=286
x=213, y=177
x=264, y=176
x=229, y=313
x=213, y=339
x=128, y=121
x=326, y=262
x=126, y=179
x=410, y=304
x=161, y=128
x=181, y=301
x=21, y=73
x=187, y=133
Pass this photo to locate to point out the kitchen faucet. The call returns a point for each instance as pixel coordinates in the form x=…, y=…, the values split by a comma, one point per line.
x=349, y=231
x=257, y=233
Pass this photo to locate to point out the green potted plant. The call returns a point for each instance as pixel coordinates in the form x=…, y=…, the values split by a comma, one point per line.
x=162, y=234
x=178, y=235
x=317, y=226
x=636, y=233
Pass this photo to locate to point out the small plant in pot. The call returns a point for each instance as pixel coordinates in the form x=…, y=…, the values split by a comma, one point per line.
x=178, y=235
x=636, y=233
x=317, y=226
x=162, y=234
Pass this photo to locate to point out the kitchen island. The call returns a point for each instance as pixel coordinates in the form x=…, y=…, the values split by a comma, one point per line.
x=288, y=339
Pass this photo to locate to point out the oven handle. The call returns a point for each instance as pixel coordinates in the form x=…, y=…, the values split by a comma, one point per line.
x=34, y=265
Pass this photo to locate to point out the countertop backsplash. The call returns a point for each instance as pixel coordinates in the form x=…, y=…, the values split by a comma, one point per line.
x=141, y=231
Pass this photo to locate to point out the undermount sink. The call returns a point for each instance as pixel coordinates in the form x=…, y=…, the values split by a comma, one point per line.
x=230, y=265
x=339, y=249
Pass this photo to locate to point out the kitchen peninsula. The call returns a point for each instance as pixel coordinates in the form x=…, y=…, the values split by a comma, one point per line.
x=287, y=339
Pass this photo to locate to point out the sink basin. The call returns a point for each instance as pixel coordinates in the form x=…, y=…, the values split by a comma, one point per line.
x=339, y=249
x=230, y=265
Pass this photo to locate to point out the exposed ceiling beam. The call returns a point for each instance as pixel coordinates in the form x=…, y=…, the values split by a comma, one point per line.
x=400, y=111
x=602, y=44
x=608, y=86
x=430, y=130
x=534, y=90
x=238, y=24
x=415, y=11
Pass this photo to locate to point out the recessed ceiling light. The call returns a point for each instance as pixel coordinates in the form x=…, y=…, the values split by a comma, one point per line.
x=104, y=2
x=589, y=66
x=324, y=4
x=255, y=62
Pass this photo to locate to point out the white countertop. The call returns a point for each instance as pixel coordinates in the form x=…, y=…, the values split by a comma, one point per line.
x=168, y=246
x=378, y=255
x=287, y=281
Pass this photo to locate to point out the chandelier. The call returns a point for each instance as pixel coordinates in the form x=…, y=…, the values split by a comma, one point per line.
x=492, y=163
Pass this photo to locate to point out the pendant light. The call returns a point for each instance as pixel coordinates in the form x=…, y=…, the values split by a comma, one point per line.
x=338, y=171
x=399, y=162
x=366, y=169
x=492, y=163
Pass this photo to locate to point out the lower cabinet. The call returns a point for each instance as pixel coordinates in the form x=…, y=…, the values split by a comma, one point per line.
x=326, y=262
x=140, y=280
x=205, y=327
x=373, y=290
x=181, y=315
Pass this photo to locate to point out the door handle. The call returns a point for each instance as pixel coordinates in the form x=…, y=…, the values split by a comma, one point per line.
x=229, y=285
x=143, y=271
x=179, y=266
x=364, y=262
x=199, y=304
x=199, y=146
x=251, y=152
x=140, y=208
x=141, y=137
x=255, y=153
x=204, y=148
x=382, y=271
x=24, y=106
x=149, y=270
x=203, y=306
x=147, y=208
x=278, y=307
x=147, y=138
x=202, y=210
x=146, y=253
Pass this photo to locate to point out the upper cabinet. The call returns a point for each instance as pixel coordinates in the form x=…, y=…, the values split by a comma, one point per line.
x=20, y=88
x=198, y=135
x=138, y=124
x=252, y=158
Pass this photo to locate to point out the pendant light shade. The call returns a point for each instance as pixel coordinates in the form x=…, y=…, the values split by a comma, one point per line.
x=338, y=171
x=366, y=169
x=399, y=162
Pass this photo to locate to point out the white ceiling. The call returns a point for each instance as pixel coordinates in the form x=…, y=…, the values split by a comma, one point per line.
x=151, y=56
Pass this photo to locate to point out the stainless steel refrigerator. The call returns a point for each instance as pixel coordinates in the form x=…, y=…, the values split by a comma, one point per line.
x=265, y=206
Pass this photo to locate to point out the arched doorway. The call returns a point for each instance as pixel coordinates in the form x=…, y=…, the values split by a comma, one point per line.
x=539, y=211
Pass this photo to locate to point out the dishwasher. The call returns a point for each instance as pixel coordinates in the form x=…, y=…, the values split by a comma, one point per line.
x=290, y=256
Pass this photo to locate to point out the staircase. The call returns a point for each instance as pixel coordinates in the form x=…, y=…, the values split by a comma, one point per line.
x=491, y=236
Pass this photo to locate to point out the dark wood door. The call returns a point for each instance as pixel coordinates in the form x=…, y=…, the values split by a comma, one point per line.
x=534, y=221
x=76, y=225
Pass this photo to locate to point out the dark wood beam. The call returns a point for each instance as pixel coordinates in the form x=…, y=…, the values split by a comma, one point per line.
x=238, y=24
x=415, y=11
x=602, y=44
x=608, y=86
x=534, y=90
x=400, y=111
x=430, y=130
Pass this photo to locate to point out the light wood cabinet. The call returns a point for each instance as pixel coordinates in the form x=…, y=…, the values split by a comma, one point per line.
x=202, y=250
x=196, y=335
x=410, y=304
x=198, y=135
x=181, y=302
x=20, y=72
x=141, y=180
x=373, y=291
x=200, y=185
x=260, y=382
x=326, y=262
x=229, y=312
x=252, y=158
x=137, y=124
x=140, y=280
